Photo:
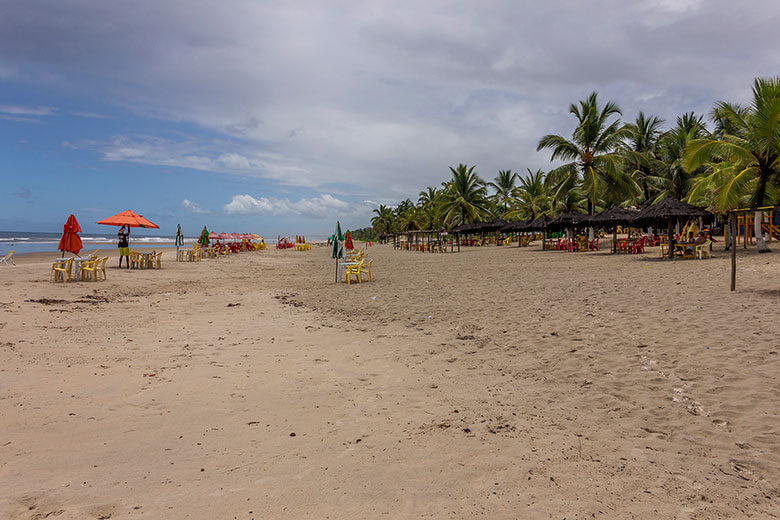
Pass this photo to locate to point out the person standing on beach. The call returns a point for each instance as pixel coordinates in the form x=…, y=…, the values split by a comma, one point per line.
x=124, y=246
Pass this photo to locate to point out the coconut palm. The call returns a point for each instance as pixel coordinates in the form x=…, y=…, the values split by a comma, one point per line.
x=748, y=150
x=531, y=197
x=428, y=196
x=640, y=152
x=383, y=219
x=464, y=198
x=504, y=185
x=591, y=152
x=670, y=175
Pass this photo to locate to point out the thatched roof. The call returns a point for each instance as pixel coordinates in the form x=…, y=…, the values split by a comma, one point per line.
x=568, y=219
x=614, y=216
x=538, y=224
x=669, y=209
x=466, y=227
x=491, y=225
x=516, y=225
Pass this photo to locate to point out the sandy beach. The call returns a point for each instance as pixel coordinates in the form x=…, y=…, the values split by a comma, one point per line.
x=500, y=382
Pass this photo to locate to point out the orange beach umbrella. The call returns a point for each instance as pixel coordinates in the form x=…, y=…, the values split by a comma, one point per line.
x=128, y=218
x=70, y=241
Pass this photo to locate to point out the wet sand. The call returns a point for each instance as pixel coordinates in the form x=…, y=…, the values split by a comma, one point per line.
x=498, y=382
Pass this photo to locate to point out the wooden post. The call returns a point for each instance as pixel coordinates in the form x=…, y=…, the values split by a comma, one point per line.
x=733, y=252
x=670, y=238
x=337, y=269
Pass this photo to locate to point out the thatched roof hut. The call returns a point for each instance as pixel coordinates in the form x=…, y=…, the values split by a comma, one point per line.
x=491, y=225
x=614, y=216
x=669, y=209
x=516, y=225
x=466, y=227
x=538, y=224
x=568, y=220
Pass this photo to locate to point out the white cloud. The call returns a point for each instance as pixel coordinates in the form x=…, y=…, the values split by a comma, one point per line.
x=399, y=92
x=20, y=110
x=193, y=207
x=322, y=206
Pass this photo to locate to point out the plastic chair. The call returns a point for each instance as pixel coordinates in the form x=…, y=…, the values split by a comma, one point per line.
x=702, y=251
x=9, y=257
x=367, y=269
x=135, y=260
x=101, y=265
x=64, y=267
x=88, y=270
x=356, y=271
x=156, y=260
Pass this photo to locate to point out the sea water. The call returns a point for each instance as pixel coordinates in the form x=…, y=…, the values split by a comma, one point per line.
x=30, y=242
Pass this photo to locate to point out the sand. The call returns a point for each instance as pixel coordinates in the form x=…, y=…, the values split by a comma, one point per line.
x=498, y=382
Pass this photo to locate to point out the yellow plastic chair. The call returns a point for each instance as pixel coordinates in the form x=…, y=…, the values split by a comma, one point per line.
x=88, y=270
x=63, y=267
x=367, y=269
x=157, y=260
x=135, y=260
x=101, y=267
x=356, y=271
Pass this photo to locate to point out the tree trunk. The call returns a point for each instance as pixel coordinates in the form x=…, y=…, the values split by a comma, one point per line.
x=670, y=238
x=760, y=244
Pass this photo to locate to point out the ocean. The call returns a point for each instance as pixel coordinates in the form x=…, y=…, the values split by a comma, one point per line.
x=27, y=242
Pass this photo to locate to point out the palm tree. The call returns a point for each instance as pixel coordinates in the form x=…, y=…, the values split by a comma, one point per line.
x=464, y=198
x=671, y=176
x=383, y=220
x=640, y=152
x=429, y=195
x=531, y=197
x=748, y=149
x=504, y=184
x=591, y=151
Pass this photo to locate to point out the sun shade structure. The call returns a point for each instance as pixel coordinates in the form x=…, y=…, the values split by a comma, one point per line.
x=540, y=223
x=568, y=220
x=516, y=225
x=614, y=216
x=70, y=241
x=128, y=218
x=669, y=208
x=669, y=211
x=490, y=226
x=203, y=239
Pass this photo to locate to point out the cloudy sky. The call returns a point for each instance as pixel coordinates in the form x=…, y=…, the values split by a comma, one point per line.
x=280, y=117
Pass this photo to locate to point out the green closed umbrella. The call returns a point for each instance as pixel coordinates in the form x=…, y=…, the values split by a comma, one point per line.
x=338, y=248
x=179, y=239
x=204, y=237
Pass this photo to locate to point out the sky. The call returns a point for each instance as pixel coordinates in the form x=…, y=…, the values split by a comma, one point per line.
x=282, y=117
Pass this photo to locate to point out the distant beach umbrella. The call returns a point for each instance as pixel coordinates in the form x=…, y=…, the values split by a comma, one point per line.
x=179, y=236
x=128, y=218
x=338, y=248
x=70, y=241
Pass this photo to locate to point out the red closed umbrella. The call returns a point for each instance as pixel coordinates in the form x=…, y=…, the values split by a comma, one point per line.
x=70, y=241
x=348, y=245
x=128, y=218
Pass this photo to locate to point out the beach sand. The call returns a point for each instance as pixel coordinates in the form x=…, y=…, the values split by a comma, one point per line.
x=497, y=382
